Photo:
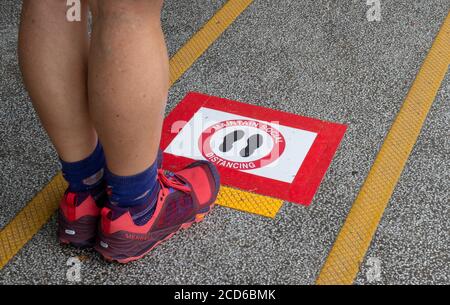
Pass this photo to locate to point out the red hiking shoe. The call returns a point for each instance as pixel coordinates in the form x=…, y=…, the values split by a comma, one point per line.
x=79, y=215
x=78, y=218
x=185, y=197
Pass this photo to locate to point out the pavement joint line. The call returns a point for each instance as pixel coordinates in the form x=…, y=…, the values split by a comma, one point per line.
x=38, y=211
x=349, y=249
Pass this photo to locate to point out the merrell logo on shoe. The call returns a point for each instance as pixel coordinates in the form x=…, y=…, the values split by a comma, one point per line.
x=136, y=236
x=152, y=236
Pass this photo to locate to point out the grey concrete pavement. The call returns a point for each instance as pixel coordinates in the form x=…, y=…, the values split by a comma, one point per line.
x=321, y=59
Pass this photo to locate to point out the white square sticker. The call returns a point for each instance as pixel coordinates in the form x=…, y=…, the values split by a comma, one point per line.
x=239, y=142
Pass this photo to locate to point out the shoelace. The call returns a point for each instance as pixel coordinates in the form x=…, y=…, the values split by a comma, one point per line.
x=172, y=182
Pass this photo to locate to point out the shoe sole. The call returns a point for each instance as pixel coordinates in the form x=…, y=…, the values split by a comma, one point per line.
x=198, y=218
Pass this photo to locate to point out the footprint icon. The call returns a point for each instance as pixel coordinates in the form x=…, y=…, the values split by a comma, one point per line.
x=253, y=143
x=230, y=139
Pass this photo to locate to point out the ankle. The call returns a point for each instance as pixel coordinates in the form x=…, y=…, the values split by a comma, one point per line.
x=87, y=174
x=134, y=190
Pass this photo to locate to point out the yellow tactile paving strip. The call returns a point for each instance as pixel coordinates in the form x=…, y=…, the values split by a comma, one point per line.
x=350, y=247
x=248, y=202
x=37, y=212
x=30, y=219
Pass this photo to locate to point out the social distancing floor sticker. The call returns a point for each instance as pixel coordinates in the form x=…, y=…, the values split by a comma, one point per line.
x=256, y=150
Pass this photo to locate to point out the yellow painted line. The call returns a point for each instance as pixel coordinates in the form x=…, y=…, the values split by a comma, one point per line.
x=38, y=211
x=350, y=247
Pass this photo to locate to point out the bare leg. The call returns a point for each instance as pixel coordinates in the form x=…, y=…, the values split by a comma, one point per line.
x=53, y=58
x=128, y=81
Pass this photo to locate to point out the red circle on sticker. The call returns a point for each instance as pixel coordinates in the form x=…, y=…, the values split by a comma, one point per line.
x=277, y=149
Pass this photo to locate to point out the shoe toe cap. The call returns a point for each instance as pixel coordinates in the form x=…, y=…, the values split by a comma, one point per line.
x=204, y=179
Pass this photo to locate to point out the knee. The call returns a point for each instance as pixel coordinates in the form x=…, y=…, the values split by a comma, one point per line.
x=128, y=10
x=51, y=8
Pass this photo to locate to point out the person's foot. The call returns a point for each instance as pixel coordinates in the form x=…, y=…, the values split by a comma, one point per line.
x=79, y=214
x=78, y=218
x=185, y=198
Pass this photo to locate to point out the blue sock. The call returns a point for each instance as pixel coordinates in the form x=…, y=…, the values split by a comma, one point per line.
x=85, y=175
x=133, y=191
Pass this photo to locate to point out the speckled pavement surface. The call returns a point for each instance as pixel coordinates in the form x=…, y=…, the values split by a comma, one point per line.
x=321, y=59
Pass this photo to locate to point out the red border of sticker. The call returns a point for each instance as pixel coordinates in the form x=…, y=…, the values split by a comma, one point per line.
x=311, y=172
